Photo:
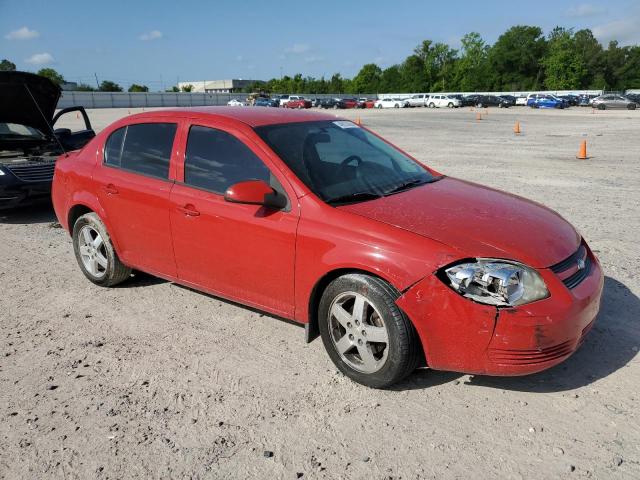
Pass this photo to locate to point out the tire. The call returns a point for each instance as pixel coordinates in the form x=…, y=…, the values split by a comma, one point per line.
x=602, y=106
x=631, y=106
x=450, y=105
x=396, y=106
x=379, y=106
x=101, y=264
x=335, y=107
x=382, y=364
x=479, y=105
x=500, y=105
x=432, y=105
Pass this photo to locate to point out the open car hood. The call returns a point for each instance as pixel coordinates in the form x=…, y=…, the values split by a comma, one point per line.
x=17, y=106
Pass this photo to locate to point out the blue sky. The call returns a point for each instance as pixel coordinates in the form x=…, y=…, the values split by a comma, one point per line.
x=157, y=43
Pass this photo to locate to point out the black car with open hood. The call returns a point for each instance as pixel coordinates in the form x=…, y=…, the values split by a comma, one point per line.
x=29, y=143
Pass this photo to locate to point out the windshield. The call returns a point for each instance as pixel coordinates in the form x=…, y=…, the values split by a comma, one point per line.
x=16, y=130
x=341, y=162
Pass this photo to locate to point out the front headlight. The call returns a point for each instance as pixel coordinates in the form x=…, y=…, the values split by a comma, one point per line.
x=497, y=282
x=1, y=172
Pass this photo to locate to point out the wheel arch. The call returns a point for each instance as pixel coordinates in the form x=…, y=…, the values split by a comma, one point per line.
x=82, y=205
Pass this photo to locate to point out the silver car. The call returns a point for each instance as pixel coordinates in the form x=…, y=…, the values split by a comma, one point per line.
x=613, y=101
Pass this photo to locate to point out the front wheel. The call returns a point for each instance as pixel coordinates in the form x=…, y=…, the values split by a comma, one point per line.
x=95, y=253
x=631, y=106
x=379, y=106
x=450, y=105
x=432, y=105
x=602, y=106
x=365, y=334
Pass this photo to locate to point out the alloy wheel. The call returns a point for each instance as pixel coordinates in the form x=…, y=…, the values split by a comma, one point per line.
x=93, y=251
x=358, y=332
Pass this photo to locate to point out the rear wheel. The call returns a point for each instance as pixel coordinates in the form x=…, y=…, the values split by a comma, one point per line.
x=95, y=254
x=432, y=105
x=631, y=106
x=602, y=106
x=450, y=105
x=396, y=106
x=479, y=105
x=365, y=334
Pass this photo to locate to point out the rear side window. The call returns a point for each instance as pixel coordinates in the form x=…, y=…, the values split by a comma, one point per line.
x=215, y=160
x=142, y=148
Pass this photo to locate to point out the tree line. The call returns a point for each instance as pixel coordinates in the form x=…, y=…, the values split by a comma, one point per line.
x=521, y=59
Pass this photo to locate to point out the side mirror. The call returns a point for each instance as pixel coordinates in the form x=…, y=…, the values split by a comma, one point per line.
x=255, y=192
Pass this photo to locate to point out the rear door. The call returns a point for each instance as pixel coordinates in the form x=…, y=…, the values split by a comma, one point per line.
x=242, y=252
x=133, y=183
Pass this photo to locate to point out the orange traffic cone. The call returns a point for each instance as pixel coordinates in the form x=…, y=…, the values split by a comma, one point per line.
x=358, y=122
x=582, y=153
x=478, y=116
x=516, y=128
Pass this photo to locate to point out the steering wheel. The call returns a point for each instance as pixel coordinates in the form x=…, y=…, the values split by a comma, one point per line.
x=347, y=161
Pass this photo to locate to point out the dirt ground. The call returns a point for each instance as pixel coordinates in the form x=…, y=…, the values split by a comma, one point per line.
x=153, y=380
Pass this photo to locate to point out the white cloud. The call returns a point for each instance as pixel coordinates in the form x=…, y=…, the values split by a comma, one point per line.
x=40, y=59
x=152, y=35
x=625, y=31
x=22, y=34
x=585, y=10
x=298, y=48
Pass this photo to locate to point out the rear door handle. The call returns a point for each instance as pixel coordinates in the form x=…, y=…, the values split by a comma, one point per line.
x=110, y=189
x=189, y=210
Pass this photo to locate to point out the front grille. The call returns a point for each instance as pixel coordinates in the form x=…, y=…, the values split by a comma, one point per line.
x=531, y=357
x=34, y=171
x=574, y=269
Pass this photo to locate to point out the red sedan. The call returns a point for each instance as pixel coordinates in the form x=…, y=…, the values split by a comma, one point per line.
x=298, y=103
x=322, y=221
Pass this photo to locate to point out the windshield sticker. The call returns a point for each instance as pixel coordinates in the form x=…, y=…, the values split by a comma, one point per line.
x=345, y=124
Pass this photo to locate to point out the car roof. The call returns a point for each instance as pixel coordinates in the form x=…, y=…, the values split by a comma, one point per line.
x=253, y=117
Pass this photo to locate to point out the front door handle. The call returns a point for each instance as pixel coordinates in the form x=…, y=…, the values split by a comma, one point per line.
x=110, y=189
x=189, y=210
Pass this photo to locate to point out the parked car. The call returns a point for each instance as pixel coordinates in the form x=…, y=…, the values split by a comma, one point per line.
x=569, y=100
x=29, y=141
x=521, y=101
x=318, y=220
x=234, y=102
x=491, y=101
x=298, y=102
x=266, y=102
x=469, y=100
x=441, y=100
x=545, y=101
x=335, y=103
x=613, y=101
x=509, y=98
x=391, y=103
x=349, y=102
x=366, y=103
x=418, y=100
x=282, y=100
x=634, y=97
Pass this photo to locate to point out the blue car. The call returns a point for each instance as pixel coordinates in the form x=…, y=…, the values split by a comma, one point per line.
x=546, y=101
x=266, y=102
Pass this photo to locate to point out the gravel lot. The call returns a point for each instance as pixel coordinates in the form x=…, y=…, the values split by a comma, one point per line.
x=155, y=380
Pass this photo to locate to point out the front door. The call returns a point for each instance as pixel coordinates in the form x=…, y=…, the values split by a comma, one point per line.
x=242, y=252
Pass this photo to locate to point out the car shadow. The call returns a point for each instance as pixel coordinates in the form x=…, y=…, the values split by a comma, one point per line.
x=40, y=213
x=612, y=343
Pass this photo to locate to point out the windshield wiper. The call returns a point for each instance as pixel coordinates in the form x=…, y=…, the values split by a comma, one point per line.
x=354, y=197
x=410, y=184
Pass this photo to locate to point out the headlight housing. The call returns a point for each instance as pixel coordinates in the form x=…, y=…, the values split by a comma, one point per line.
x=496, y=282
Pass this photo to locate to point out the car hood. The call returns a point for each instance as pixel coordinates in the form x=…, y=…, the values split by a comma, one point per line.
x=17, y=106
x=477, y=221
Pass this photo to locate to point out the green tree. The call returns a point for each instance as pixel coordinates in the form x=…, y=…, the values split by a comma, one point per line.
x=109, y=86
x=564, y=66
x=187, y=88
x=83, y=87
x=52, y=75
x=336, y=84
x=368, y=79
x=391, y=80
x=173, y=89
x=412, y=73
x=472, y=68
x=515, y=59
x=138, y=88
x=592, y=53
x=7, y=66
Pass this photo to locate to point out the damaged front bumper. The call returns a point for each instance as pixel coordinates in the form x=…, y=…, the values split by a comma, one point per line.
x=460, y=335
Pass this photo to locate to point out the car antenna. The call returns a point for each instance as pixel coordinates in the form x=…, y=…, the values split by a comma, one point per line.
x=45, y=120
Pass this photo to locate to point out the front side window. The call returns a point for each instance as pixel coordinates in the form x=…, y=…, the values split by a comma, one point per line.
x=142, y=148
x=215, y=160
x=338, y=160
